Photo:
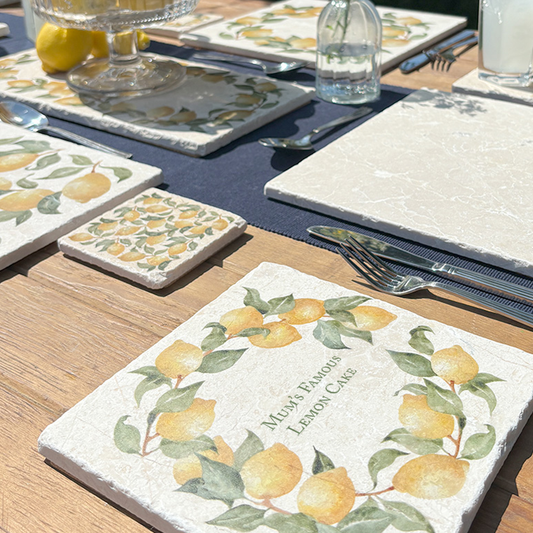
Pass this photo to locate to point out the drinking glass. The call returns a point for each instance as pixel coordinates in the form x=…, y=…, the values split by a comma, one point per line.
x=125, y=72
x=506, y=42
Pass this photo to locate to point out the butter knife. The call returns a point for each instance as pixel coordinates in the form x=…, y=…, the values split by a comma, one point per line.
x=427, y=56
x=389, y=251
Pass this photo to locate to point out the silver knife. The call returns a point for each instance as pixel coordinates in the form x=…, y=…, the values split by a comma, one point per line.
x=422, y=59
x=389, y=251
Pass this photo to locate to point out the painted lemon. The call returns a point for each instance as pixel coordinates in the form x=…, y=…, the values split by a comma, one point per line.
x=151, y=200
x=183, y=116
x=15, y=161
x=327, y=497
x=191, y=213
x=281, y=334
x=265, y=87
x=115, y=249
x=198, y=230
x=156, y=239
x=416, y=416
x=127, y=230
x=157, y=208
x=220, y=224
x=128, y=257
x=189, y=424
x=107, y=226
x=81, y=237
x=5, y=184
x=304, y=44
x=154, y=224
x=87, y=187
x=454, y=364
x=177, y=249
x=132, y=215
x=23, y=200
x=238, y=319
x=160, y=112
x=156, y=260
x=272, y=472
x=179, y=359
x=370, y=318
x=305, y=311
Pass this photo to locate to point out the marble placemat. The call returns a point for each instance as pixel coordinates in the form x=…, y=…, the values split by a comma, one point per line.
x=49, y=187
x=471, y=84
x=286, y=31
x=292, y=404
x=209, y=110
x=154, y=238
x=449, y=171
x=184, y=24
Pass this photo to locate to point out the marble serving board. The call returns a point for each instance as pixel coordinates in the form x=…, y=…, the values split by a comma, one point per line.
x=449, y=171
x=49, y=187
x=286, y=31
x=209, y=110
x=184, y=24
x=154, y=238
x=471, y=84
x=293, y=404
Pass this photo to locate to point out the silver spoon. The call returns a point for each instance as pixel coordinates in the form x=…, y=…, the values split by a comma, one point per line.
x=29, y=118
x=267, y=69
x=304, y=143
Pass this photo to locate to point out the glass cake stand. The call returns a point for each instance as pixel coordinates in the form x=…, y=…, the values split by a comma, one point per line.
x=125, y=72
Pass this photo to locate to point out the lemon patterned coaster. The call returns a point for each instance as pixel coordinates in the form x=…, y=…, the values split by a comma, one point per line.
x=154, y=238
x=184, y=24
x=294, y=405
x=209, y=110
x=49, y=187
x=286, y=31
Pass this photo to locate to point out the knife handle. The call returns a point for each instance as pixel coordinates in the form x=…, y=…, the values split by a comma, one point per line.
x=505, y=287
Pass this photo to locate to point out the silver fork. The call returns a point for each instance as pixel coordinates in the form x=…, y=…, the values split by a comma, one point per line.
x=445, y=58
x=388, y=280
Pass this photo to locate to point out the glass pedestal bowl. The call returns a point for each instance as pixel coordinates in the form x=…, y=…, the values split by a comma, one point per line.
x=125, y=72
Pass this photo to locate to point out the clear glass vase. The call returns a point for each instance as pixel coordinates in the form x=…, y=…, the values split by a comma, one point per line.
x=348, y=52
x=125, y=72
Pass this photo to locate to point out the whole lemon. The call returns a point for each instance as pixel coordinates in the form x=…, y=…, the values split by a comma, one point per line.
x=454, y=364
x=23, y=200
x=179, y=359
x=238, y=319
x=416, y=416
x=281, y=334
x=188, y=424
x=190, y=467
x=100, y=48
x=431, y=477
x=370, y=318
x=87, y=187
x=327, y=497
x=61, y=49
x=272, y=472
x=305, y=311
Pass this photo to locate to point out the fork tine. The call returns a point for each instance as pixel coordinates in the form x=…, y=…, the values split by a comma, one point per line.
x=373, y=258
x=378, y=284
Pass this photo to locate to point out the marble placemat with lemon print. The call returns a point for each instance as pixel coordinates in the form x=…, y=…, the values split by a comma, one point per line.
x=184, y=24
x=49, y=187
x=294, y=405
x=287, y=31
x=154, y=238
x=209, y=110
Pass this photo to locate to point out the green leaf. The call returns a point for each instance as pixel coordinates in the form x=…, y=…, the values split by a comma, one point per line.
x=328, y=333
x=322, y=463
x=127, y=438
x=324, y=528
x=343, y=316
x=420, y=342
x=177, y=400
x=11, y=140
x=479, y=445
x=295, y=523
x=415, y=388
x=412, y=363
x=485, y=378
x=215, y=325
x=221, y=479
x=34, y=147
x=249, y=332
x=213, y=340
x=149, y=371
x=444, y=401
x=148, y=384
x=62, y=173
x=25, y=183
x=381, y=460
x=250, y=446
x=49, y=204
x=406, y=517
x=284, y=304
x=81, y=160
x=179, y=449
x=365, y=519
x=414, y=444
x=479, y=388
x=199, y=487
x=121, y=173
x=241, y=518
x=220, y=361
x=344, y=304
x=22, y=217
x=356, y=333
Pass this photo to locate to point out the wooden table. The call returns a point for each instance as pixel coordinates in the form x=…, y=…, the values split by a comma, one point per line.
x=66, y=327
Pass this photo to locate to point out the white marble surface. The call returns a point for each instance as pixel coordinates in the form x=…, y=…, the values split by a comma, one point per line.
x=154, y=238
x=287, y=32
x=449, y=171
x=471, y=84
x=211, y=108
x=49, y=186
x=323, y=383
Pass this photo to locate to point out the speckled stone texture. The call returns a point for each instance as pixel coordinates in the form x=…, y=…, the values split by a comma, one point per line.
x=449, y=171
x=223, y=426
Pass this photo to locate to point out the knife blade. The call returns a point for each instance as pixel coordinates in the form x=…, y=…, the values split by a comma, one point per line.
x=389, y=251
x=425, y=57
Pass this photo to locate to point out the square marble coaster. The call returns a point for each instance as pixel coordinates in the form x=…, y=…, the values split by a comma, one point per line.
x=154, y=238
x=471, y=84
x=293, y=404
x=447, y=170
x=286, y=31
x=209, y=110
x=184, y=24
x=49, y=187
